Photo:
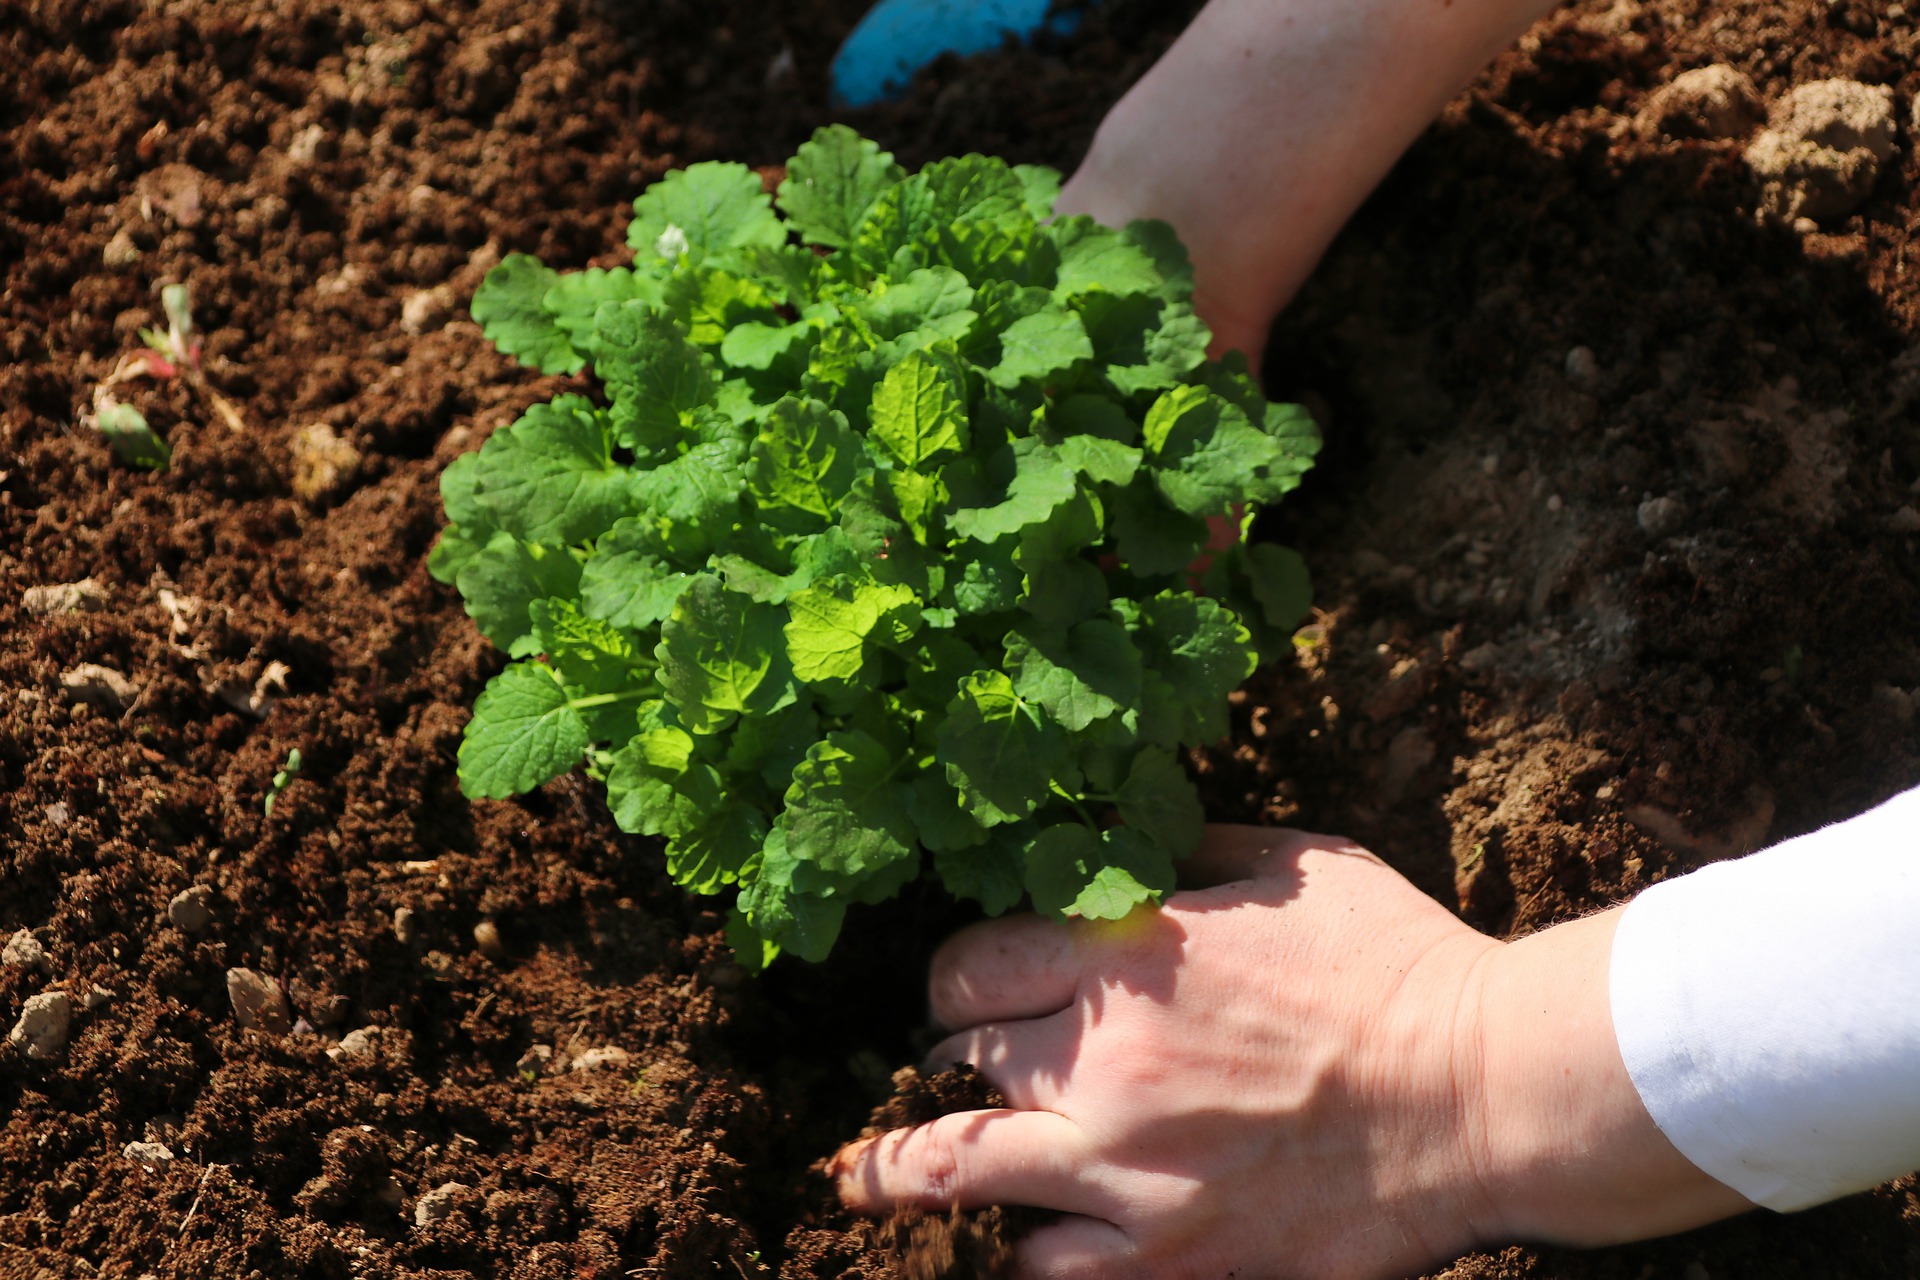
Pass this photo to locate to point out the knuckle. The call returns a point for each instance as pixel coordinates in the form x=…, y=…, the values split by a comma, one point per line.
x=938, y=1158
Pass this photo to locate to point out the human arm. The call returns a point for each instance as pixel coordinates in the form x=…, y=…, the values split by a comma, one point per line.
x=1267, y=123
x=1309, y=1068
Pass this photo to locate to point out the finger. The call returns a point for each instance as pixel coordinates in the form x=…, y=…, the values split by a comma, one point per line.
x=1029, y=1062
x=1231, y=852
x=970, y=1159
x=1074, y=1248
x=1002, y=971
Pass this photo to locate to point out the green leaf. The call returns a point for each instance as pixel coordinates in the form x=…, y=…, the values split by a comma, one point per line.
x=920, y=411
x=926, y=296
x=803, y=923
x=934, y=805
x=720, y=655
x=772, y=745
x=655, y=376
x=524, y=732
x=577, y=295
x=760, y=347
x=1102, y=461
x=1207, y=450
x=1000, y=751
x=709, y=303
x=830, y=625
x=803, y=463
x=510, y=310
x=696, y=497
x=1093, y=257
x=1150, y=537
x=1039, y=187
x=846, y=810
x=457, y=484
x=1280, y=583
x=1038, y=346
x=714, y=854
x=551, y=477
x=132, y=440
x=831, y=183
x=1041, y=482
x=717, y=209
x=627, y=581
x=1159, y=801
x=1084, y=675
x=1162, y=244
x=1071, y=872
x=655, y=788
x=1202, y=652
x=991, y=873
x=505, y=577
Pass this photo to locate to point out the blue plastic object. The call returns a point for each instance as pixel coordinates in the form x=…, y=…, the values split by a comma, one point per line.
x=898, y=37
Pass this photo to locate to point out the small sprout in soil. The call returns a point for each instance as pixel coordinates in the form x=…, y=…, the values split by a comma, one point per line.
x=174, y=353
x=281, y=781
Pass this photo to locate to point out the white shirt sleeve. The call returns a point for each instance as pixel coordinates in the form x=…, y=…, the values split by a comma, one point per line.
x=1768, y=1010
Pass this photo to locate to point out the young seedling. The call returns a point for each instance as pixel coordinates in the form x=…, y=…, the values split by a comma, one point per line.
x=281, y=781
x=870, y=556
x=174, y=353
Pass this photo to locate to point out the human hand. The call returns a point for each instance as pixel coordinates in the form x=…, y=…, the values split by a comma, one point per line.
x=1308, y=1069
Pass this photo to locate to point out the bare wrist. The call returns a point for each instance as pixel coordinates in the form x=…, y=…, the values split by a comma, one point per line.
x=1567, y=1151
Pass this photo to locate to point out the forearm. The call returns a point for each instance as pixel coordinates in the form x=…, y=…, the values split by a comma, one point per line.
x=1269, y=121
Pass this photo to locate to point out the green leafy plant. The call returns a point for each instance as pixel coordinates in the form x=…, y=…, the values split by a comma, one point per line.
x=873, y=550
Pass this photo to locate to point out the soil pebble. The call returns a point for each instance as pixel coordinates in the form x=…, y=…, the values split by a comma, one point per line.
x=102, y=686
x=323, y=463
x=486, y=936
x=357, y=1046
x=1823, y=148
x=23, y=951
x=437, y=1204
x=41, y=1032
x=258, y=1003
x=1707, y=102
x=605, y=1058
x=154, y=1157
x=406, y=926
x=55, y=599
x=191, y=910
x=1661, y=517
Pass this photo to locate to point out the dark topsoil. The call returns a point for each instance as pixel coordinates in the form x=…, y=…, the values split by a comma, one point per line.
x=1522, y=695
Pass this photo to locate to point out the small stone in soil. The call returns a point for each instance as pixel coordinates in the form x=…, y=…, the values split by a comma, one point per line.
x=486, y=936
x=102, y=686
x=191, y=909
x=436, y=1204
x=154, y=1157
x=258, y=1003
x=54, y=599
x=356, y=1045
x=406, y=925
x=1661, y=517
x=41, y=1032
x=23, y=951
x=605, y=1057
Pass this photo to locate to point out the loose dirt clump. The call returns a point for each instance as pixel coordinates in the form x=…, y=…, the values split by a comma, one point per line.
x=1614, y=543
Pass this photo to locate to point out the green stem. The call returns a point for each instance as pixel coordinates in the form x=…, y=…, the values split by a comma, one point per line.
x=1074, y=800
x=608, y=699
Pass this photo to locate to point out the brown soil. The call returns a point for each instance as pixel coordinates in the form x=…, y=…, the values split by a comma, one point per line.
x=1532, y=692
